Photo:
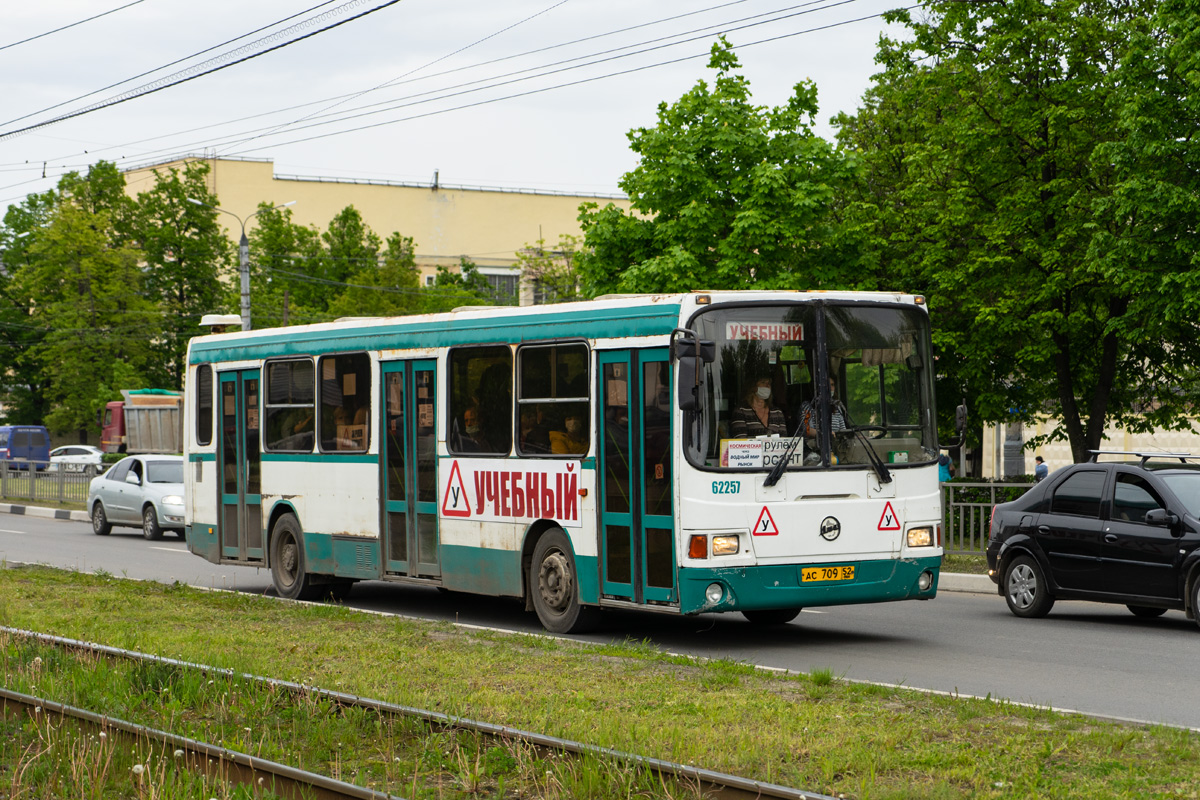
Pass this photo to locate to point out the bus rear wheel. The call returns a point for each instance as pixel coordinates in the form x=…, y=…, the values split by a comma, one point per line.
x=553, y=583
x=771, y=616
x=288, y=567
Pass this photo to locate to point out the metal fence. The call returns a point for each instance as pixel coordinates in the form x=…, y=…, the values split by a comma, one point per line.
x=969, y=512
x=22, y=482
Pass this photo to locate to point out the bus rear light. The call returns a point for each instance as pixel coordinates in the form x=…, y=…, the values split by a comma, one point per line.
x=939, y=535
x=724, y=545
x=920, y=537
x=698, y=546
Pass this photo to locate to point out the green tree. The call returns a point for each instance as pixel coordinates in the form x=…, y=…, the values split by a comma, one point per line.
x=450, y=290
x=386, y=287
x=87, y=297
x=288, y=264
x=25, y=382
x=186, y=255
x=551, y=272
x=1024, y=169
x=726, y=194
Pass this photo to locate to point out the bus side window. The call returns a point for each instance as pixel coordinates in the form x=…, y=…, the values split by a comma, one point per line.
x=204, y=405
x=345, y=387
x=290, y=416
x=481, y=418
x=555, y=412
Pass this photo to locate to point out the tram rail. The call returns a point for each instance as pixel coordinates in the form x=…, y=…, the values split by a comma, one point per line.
x=710, y=783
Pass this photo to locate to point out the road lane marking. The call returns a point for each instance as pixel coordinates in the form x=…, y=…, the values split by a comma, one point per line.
x=6, y=530
x=169, y=549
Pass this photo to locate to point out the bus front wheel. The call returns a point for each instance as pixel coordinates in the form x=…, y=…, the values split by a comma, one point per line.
x=553, y=582
x=288, y=568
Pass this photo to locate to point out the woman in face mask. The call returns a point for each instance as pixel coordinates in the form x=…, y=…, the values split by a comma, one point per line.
x=573, y=441
x=757, y=416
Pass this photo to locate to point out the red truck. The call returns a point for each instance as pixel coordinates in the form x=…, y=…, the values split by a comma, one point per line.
x=146, y=421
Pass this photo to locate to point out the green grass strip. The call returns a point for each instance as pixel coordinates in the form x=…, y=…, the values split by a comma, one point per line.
x=809, y=731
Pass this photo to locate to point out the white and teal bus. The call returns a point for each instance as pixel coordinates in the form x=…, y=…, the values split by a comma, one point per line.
x=748, y=451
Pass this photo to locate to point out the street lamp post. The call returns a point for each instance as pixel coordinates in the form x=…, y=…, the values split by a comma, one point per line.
x=243, y=253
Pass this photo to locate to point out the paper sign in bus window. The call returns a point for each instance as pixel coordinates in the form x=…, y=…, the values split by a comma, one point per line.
x=759, y=453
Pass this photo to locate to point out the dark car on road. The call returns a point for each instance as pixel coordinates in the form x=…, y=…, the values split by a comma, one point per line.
x=1113, y=532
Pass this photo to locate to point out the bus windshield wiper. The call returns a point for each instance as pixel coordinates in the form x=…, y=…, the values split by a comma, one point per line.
x=885, y=476
x=777, y=471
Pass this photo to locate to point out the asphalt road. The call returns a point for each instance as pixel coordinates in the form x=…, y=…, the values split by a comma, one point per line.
x=1085, y=657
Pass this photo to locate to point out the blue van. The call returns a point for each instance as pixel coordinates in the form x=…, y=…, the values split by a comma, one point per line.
x=24, y=444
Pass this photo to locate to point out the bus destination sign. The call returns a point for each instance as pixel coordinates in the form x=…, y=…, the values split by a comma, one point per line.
x=766, y=331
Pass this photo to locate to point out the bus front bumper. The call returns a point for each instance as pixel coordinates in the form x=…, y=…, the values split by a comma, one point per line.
x=795, y=586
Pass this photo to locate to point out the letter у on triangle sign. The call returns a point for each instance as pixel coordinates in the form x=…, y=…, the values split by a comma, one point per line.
x=888, y=521
x=454, y=501
x=765, y=526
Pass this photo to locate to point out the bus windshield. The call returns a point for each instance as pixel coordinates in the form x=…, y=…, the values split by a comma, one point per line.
x=763, y=389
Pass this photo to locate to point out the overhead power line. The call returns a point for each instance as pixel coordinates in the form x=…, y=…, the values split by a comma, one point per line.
x=601, y=57
x=169, y=64
x=215, y=64
x=72, y=25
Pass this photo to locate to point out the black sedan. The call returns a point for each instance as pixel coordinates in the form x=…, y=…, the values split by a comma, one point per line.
x=1110, y=532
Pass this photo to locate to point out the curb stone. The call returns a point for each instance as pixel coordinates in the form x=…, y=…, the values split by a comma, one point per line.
x=49, y=513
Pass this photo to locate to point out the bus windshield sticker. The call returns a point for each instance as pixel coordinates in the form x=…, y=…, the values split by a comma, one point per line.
x=502, y=490
x=768, y=331
x=758, y=453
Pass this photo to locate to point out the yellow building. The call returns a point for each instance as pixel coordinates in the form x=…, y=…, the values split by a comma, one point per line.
x=486, y=225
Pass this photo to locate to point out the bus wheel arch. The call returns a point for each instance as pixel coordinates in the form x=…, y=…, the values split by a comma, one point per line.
x=552, y=579
x=289, y=567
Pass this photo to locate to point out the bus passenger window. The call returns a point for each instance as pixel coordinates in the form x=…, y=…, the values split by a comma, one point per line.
x=345, y=382
x=289, y=408
x=555, y=416
x=480, y=401
x=204, y=405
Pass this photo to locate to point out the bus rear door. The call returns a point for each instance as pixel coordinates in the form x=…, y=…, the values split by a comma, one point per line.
x=410, y=469
x=637, y=552
x=241, y=471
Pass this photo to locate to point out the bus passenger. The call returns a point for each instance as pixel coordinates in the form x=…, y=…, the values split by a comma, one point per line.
x=757, y=416
x=473, y=440
x=573, y=441
x=533, y=436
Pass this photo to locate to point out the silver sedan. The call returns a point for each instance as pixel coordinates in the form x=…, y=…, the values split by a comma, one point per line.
x=139, y=491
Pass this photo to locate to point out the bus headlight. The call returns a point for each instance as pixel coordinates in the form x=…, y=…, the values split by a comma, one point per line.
x=920, y=537
x=724, y=545
x=714, y=593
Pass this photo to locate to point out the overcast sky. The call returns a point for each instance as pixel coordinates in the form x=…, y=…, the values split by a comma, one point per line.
x=523, y=134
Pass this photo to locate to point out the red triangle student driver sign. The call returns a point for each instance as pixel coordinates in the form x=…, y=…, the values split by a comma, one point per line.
x=765, y=526
x=455, y=502
x=888, y=521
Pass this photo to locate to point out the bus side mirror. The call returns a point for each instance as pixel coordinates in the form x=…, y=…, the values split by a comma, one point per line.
x=689, y=353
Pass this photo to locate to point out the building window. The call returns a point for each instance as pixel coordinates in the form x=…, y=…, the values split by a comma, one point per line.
x=504, y=288
x=481, y=418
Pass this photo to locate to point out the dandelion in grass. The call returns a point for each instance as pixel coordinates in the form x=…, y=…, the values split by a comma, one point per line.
x=138, y=769
x=179, y=754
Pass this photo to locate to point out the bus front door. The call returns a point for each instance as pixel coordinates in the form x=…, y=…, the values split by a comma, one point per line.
x=637, y=542
x=409, y=465
x=241, y=484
